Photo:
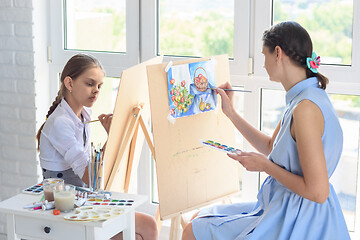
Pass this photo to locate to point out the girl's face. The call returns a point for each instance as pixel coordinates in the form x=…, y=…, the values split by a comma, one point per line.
x=85, y=88
x=270, y=63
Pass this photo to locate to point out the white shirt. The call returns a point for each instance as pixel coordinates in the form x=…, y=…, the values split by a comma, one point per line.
x=62, y=140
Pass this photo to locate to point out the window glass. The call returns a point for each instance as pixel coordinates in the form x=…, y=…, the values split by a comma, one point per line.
x=272, y=106
x=95, y=25
x=104, y=104
x=329, y=23
x=196, y=28
x=344, y=178
x=239, y=139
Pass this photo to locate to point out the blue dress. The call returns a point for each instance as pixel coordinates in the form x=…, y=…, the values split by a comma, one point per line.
x=279, y=213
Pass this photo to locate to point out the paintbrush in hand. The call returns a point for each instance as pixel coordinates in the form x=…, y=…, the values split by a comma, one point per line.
x=234, y=90
x=92, y=121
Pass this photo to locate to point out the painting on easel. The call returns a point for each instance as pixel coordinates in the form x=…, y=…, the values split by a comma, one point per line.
x=190, y=88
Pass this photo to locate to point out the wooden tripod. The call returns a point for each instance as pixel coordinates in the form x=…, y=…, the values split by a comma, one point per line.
x=130, y=138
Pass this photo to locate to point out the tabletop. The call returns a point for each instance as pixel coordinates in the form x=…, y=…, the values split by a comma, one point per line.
x=15, y=205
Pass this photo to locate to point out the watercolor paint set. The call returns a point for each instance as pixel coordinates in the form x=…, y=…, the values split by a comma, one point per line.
x=35, y=189
x=221, y=147
x=109, y=202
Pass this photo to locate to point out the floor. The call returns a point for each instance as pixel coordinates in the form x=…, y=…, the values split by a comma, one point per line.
x=165, y=230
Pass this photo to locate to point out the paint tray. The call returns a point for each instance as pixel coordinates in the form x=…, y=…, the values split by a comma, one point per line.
x=35, y=189
x=94, y=213
x=220, y=147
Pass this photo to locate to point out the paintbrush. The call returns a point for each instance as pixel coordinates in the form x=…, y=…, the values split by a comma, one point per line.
x=234, y=90
x=92, y=121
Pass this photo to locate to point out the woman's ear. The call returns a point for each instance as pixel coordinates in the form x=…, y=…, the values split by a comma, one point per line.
x=68, y=83
x=278, y=52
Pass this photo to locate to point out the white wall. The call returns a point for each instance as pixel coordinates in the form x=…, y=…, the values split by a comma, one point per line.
x=18, y=163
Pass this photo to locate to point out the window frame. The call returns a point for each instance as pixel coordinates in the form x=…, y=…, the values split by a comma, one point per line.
x=338, y=73
x=239, y=63
x=113, y=62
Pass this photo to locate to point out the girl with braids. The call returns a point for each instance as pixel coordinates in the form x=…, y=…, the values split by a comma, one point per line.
x=63, y=140
x=296, y=201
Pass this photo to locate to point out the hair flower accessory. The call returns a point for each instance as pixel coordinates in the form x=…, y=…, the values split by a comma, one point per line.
x=313, y=63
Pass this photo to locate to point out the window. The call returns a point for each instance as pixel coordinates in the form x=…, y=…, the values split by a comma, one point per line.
x=332, y=24
x=95, y=25
x=196, y=28
x=100, y=28
x=107, y=95
x=329, y=24
x=348, y=109
x=200, y=28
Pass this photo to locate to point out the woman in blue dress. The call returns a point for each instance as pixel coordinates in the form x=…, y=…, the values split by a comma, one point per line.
x=296, y=201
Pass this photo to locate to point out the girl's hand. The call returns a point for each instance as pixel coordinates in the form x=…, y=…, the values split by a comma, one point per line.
x=85, y=177
x=105, y=120
x=251, y=161
x=226, y=98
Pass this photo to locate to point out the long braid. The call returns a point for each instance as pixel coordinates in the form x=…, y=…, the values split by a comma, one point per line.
x=56, y=102
x=301, y=60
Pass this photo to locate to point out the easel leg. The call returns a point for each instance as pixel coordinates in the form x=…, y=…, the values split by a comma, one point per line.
x=157, y=219
x=183, y=223
x=127, y=139
x=130, y=160
x=175, y=228
x=227, y=201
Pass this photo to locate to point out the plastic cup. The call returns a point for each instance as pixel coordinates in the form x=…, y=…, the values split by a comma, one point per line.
x=49, y=185
x=64, y=196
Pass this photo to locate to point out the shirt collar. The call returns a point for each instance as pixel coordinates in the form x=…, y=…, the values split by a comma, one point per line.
x=299, y=87
x=86, y=112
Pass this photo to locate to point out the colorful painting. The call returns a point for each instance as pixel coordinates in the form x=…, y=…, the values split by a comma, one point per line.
x=190, y=88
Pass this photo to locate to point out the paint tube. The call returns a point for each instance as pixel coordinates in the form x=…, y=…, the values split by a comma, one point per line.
x=100, y=196
x=80, y=202
x=34, y=205
x=48, y=205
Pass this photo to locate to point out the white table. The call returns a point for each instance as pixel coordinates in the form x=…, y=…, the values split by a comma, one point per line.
x=38, y=224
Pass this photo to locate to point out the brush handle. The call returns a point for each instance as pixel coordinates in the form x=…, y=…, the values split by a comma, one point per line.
x=92, y=121
x=234, y=90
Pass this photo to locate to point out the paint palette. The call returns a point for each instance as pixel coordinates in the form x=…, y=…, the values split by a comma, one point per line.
x=94, y=213
x=221, y=147
x=36, y=189
x=110, y=202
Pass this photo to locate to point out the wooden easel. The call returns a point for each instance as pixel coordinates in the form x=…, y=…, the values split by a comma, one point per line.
x=130, y=138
